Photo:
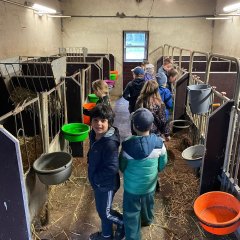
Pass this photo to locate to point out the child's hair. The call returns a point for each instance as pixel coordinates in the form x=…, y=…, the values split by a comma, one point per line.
x=149, y=95
x=172, y=72
x=167, y=61
x=103, y=111
x=144, y=63
x=101, y=87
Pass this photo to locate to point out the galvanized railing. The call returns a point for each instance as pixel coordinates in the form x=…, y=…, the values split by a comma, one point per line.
x=25, y=123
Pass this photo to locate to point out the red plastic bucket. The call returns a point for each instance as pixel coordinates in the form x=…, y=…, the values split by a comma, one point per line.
x=88, y=106
x=218, y=212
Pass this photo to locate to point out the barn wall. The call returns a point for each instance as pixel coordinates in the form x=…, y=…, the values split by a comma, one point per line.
x=226, y=33
x=22, y=32
x=105, y=34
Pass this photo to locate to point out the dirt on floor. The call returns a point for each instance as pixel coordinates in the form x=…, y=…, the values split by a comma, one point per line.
x=71, y=206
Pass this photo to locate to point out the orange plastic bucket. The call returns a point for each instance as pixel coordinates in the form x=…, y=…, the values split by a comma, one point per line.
x=88, y=106
x=218, y=212
x=114, y=72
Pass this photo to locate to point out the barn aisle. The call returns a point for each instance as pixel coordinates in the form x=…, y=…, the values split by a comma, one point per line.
x=71, y=206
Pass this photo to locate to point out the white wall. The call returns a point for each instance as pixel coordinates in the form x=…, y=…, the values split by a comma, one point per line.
x=22, y=32
x=226, y=33
x=105, y=34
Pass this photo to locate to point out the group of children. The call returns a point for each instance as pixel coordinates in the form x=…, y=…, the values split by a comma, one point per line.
x=142, y=156
x=154, y=92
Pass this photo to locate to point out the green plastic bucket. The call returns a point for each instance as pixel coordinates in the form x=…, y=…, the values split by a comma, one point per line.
x=92, y=98
x=75, y=132
x=113, y=76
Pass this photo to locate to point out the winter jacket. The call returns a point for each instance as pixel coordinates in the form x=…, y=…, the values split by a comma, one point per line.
x=162, y=78
x=166, y=97
x=149, y=76
x=103, y=164
x=132, y=91
x=141, y=159
x=160, y=125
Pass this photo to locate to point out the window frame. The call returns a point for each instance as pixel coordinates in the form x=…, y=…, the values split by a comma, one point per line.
x=145, y=46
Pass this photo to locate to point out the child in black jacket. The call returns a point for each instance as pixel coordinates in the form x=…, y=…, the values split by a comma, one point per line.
x=103, y=167
x=133, y=88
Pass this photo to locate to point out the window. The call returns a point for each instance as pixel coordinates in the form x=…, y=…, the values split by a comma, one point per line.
x=135, y=46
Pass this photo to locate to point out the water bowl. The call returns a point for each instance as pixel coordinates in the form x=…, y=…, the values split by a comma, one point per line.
x=218, y=212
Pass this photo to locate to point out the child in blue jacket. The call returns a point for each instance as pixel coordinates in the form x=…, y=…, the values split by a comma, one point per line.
x=142, y=157
x=166, y=96
x=103, y=167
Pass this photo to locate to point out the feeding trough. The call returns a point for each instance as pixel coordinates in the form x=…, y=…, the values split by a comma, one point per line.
x=88, y=106
x=110, y=83
x=75, y=132
x=193, y=155
x=53, y=168
x=180, y=124
x=218, y=212
x=92, y=98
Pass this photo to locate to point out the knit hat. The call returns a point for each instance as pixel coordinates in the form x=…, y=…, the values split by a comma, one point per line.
x=138, y=71
x=149, y=66
x=161, y=79
x=142, y=119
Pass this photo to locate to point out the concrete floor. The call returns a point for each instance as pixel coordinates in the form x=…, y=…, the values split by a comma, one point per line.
x=71, y=206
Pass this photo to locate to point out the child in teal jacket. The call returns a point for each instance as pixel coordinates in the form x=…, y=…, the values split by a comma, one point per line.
x=142, y=157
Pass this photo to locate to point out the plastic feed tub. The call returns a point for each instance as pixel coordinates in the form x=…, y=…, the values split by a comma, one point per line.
x=92, y=98
x=218, y=212
x=88, y=106
x=53, y=168
x=75, y=132
x=193, y=155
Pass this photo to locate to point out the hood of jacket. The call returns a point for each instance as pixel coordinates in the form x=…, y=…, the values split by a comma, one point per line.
x=138, y=82
x=139, y=147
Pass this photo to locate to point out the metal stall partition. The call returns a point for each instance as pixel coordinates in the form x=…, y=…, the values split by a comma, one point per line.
x=220, y=161
x=54, y=116
x=231, y=174
x=14, y=211
x=25, y=124
x=74, y=92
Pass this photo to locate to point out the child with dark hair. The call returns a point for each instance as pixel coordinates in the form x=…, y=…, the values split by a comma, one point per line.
x=142, y=157
x=103, y=167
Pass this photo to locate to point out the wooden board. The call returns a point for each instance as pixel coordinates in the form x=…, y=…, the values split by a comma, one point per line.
x=216, y=139
x=14, y=213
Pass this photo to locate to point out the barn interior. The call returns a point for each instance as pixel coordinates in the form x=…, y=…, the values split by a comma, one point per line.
x=48, y=61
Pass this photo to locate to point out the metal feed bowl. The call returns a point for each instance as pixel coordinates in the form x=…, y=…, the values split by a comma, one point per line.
x=193, y=155
x=53, y=168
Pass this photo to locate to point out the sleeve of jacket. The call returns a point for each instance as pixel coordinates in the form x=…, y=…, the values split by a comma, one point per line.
x=126, y=92
x=163, y=159
x=122, y=163
x=111, y=162
x=168, y=99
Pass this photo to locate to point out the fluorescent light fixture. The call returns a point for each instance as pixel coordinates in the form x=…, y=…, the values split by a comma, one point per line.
x=58, y=16
x=42, y=9
x=232, y=7
x=231, y=15
x=218, y=18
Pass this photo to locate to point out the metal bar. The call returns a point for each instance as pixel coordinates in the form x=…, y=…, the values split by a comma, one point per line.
x=236, y=60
